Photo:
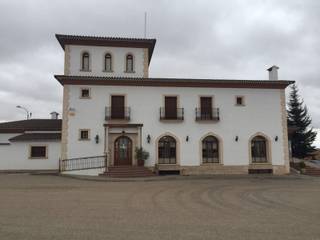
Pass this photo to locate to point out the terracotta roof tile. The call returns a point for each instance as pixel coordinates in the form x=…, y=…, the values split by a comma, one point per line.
x=172, y=82
x=36, y=137
x=31, y=125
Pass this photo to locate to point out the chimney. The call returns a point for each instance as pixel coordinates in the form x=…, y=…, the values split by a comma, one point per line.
x=273, y=72
x=54, y=115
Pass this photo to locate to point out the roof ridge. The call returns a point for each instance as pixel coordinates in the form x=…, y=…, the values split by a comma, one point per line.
x=101, y=37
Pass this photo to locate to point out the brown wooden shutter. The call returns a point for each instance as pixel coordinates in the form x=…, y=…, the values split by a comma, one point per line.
x=206, y=107
x=170, y=107
x=117, y=107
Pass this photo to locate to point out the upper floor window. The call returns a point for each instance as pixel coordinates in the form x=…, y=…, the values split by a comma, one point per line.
x=108, y=62
x=85, y=61
x=85, y=93
x=239, y=100
x=129, y=63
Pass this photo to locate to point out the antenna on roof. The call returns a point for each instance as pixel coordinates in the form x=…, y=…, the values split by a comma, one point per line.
x=145, y=24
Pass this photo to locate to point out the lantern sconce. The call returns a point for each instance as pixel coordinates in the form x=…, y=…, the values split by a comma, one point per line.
x=276, y=138
x=148, y=138
x=187, y=138
x=97, y=139
x=236, y=139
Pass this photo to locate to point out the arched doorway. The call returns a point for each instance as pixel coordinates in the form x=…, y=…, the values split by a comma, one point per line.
x=123, y=151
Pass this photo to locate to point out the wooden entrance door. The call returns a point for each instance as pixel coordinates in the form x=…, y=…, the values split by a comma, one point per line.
x=206, y=107
x=123, y=151
x=170, y=105
x=117, y=107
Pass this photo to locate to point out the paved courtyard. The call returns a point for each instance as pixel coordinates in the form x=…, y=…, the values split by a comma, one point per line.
x=52, y=207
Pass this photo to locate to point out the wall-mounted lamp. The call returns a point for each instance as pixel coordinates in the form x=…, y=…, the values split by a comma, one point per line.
x=276, y=138
x=148, y=138
x=187, y=138
x=96, y=139
x=236, y=138
x=123, y=132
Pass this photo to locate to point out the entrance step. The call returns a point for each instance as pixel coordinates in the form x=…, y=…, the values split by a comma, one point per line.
x=128, y=172
x=312, y=171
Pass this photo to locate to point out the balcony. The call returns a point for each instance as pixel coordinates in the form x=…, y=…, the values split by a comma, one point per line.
x=117, y=113
x=171, y=113
x=211, y=114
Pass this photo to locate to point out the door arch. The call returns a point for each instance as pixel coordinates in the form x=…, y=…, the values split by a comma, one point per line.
x=123, y=151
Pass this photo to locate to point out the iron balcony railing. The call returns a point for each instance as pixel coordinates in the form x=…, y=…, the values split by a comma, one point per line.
x=117, y=113
x=83, y=163
x=171, y=114
x=212, y=114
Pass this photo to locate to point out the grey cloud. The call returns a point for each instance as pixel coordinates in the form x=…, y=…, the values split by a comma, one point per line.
x=207, y=39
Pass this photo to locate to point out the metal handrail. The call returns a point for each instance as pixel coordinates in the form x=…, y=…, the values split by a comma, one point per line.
x=207, y=114
x=83, y=163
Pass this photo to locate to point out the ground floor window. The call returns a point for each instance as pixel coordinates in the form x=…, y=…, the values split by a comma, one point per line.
x=167, y=151
x=38, y=152
x=210, y=150
x=259, y=149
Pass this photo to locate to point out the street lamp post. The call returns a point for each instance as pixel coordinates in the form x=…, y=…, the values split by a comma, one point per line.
x=28, y=113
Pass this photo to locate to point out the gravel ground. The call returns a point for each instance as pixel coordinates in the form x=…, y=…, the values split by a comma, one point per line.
x=53, y=207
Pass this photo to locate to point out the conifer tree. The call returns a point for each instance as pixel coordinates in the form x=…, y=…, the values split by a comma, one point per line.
x=298, y=117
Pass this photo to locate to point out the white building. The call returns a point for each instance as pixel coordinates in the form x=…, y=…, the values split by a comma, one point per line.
x=30, y=145
x=194, y=126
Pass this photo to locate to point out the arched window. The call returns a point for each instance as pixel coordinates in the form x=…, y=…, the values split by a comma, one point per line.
x=108, y=62
x=259, y=149
x=210, y=150
x=129, y=63
x=85, y=61
x=167, y=151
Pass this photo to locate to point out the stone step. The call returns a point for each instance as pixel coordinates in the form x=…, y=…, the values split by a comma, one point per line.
x=128, y=171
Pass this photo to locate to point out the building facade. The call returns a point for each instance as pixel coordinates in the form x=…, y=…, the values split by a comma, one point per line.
x=195, y=126
x=30, y=145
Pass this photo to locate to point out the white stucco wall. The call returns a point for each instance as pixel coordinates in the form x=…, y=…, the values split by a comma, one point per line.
x=262, y=113
x=16, y=156
x=97, y=54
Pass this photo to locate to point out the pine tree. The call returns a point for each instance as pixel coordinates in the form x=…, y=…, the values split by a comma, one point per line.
x=298, y=117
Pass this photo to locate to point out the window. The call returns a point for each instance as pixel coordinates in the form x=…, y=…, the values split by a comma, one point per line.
x=38, y=152
x=117, y=107
x=206, y=108
x=85, y=61
x=239, y=100
x=129, y=63
x=85, y=93
x=108, y=62
x=84, y=134
x=167, y=150
x=210, y=150
x=259, y=149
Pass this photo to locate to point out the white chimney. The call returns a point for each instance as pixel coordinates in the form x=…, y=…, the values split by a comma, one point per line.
x=273, y=72
x=54, y=115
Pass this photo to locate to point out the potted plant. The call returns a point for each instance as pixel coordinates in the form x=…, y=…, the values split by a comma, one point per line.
x=141, y=156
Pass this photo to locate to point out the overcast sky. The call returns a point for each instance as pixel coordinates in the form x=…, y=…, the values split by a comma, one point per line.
x=195, y=39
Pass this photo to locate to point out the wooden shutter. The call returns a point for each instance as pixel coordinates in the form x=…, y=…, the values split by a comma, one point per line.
x=206, y=107
x=117, y=107
x=170, y=107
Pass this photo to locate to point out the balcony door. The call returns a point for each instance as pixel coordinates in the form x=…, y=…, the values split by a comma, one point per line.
x=117, y=107
x=170, y=105
x=206, y=107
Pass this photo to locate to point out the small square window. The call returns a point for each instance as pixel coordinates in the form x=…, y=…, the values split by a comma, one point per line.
x=85, y=93
x=38, y=152
x=240, y=101
x=84, y=134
